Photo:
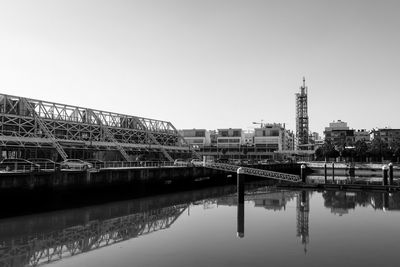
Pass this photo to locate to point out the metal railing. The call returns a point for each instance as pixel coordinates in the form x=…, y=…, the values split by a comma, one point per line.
x=23, y=167
x=253, y=171
x=132, y=164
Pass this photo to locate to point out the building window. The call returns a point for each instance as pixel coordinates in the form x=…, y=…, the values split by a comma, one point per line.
x=274, y=133
x=200, y=134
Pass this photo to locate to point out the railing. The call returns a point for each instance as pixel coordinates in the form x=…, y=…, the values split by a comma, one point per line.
x=23, y=167
x=133, y=164
x=253, y=171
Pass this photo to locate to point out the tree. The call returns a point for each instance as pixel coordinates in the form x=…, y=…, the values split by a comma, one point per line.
x=360, y=150
x=378, y=150
x=349, y=153
x=327, y=150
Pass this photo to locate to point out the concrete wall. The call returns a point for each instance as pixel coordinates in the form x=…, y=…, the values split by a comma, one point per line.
x=106, y=177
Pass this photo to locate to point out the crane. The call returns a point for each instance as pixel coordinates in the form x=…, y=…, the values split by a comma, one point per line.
x=262, y=124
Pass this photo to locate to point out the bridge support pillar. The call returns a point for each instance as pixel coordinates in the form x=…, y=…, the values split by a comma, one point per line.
x=240, y=205
x=325, y=173
x=333, y=172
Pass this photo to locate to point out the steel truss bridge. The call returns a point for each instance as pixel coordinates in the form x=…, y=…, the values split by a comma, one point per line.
x=41, y=249
x=30, y=123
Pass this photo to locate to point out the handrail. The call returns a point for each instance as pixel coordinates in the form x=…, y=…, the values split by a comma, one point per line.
x=253, y=171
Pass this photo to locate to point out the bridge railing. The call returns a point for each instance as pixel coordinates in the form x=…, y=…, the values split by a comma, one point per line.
x=253, y=171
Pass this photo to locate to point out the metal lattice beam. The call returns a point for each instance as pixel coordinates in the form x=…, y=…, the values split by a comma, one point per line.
x=46, y=248
x=28, y=120
x=43, y=126
x=111, y=136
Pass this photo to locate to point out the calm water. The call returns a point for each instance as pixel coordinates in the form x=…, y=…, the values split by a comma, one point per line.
x=200, y=228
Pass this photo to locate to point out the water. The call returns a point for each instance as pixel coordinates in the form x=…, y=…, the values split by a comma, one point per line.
x=200, y=228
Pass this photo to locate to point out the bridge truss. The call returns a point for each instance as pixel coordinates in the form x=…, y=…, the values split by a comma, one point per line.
x=41, y=249
x=30, y=123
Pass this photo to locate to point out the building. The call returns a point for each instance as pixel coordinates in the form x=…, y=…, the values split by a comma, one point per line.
x=302, y=117
x=197, y=138
x=273, y=137
x=315, y=137
x=339, y=134
x=234, y=143
x=337, y=125
x=388, y=136
x=362, y=135
x=248, y=138
x=289, y=140
x=230, y=138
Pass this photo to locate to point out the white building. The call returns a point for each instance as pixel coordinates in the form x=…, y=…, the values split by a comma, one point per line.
x=197, y=138
x=230, y=138
x=248, y=138
x=273, y=137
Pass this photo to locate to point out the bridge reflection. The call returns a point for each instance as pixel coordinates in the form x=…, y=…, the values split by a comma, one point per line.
x=40, y=239
x=45, y=238
x=36, y=249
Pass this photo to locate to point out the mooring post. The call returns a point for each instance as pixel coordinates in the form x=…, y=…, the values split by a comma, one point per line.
x=385, y=200
x=303, y=173
x=325, y=172
x=333, y=172
x=391, y=173
x=385, y=174
x=240, y=206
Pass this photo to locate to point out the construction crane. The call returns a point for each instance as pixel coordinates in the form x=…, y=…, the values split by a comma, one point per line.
x=262, y=124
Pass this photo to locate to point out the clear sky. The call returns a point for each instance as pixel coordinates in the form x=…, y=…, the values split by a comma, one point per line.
x=208, y=63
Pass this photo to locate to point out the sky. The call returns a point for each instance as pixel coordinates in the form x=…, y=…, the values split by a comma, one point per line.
x=208, y=63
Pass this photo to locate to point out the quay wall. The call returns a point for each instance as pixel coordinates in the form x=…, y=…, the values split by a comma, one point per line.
x=344, y=165
x=26, y=193
x=358, y=169
x=70, y=179
x=108, y=177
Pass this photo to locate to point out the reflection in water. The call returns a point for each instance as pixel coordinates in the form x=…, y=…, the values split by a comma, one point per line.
x=38, y=239
x=340, y=202
x=44, y=248
x=240, y=207
x=303, y=210
x=44, y=238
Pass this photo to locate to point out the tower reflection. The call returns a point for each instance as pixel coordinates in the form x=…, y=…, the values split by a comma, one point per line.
x=303, y=210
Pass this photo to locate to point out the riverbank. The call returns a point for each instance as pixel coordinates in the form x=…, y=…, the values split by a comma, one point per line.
x=346, y=165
